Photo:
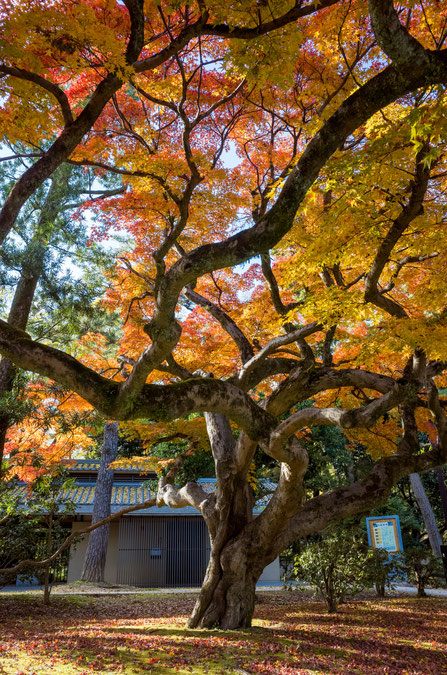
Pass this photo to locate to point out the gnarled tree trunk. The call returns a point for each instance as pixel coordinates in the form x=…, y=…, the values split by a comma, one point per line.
x=227, y=596
x=241, y=543
x=95, y=556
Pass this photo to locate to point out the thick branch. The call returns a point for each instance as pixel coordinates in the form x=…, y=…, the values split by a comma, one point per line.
x=365, y=416
x=191, y=494
x=272, y=345
x=246, y=33
x=395, y=40
x=304, y=382
x=158, y=402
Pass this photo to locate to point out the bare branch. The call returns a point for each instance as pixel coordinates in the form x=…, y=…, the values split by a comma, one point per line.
x=267, y=271
x=297, y=12
x=409, y=212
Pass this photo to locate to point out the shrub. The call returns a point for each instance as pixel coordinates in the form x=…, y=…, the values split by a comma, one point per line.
x=382, y=569
x=336, y=566
x=421, y=567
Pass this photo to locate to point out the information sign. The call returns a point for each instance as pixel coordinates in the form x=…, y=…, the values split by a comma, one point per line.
x=384, y=532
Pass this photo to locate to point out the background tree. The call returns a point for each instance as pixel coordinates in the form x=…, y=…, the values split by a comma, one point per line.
x=95, y=555
x=427, y=514
x=422, y=566
x=40, y=290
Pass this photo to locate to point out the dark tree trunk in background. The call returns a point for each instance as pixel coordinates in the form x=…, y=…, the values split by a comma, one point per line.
x=95, y=557
x=46, y=590
x=427, y=514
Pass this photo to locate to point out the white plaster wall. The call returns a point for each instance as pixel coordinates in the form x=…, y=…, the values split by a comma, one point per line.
x=77, y=555
x=271, y=573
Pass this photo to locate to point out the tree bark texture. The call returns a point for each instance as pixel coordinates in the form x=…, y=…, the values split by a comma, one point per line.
x=442, y=491
x=227, y=596
x=47, y=588
x=95, y=557
x=427, y=514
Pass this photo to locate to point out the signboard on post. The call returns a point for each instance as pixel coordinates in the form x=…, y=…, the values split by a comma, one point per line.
x=384, y=532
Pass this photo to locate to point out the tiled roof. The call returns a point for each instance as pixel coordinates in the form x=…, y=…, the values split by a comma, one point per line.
x=90, y=465
x=82, y=497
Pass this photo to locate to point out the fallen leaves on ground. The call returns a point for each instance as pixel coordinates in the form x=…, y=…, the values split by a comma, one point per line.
x=291, y=635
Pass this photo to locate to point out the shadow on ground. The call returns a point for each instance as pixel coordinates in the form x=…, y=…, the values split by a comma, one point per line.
x=291, y=635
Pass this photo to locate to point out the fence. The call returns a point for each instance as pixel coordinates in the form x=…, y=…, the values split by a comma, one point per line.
x=157, y=552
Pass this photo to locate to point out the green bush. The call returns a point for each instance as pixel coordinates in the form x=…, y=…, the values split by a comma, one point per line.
x=422, y=567
x=382, y=569
x=336, y=566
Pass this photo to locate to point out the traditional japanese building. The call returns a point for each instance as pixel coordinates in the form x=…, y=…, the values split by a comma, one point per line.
x=157, y=547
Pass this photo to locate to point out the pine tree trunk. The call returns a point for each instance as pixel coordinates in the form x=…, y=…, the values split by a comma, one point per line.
x=46, y=590
x=95, y=557
x=380, y=589
x=427, y=514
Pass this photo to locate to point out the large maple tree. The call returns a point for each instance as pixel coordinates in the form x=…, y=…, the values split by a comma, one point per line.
x=308, y=139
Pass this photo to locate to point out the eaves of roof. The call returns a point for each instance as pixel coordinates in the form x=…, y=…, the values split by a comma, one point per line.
x=82, y=497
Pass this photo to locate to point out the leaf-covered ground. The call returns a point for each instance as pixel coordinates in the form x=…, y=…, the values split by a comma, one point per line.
x=291, y=635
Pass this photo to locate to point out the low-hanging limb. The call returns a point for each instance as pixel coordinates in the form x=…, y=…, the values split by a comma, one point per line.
x=293, y=457
x=191, y=494
x=346, y=501
x=360, y=496
x=162, y=402
x=158, y=402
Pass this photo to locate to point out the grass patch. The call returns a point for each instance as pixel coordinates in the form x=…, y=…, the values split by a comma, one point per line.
x=291, y=635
